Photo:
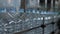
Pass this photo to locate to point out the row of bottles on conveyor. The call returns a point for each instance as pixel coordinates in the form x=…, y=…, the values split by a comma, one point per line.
x=13, y=10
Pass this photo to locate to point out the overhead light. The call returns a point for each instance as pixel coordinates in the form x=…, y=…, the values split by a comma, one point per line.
x=9, y=1
x=41, y=18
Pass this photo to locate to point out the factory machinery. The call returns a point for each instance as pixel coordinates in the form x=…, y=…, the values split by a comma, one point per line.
x=29, y=16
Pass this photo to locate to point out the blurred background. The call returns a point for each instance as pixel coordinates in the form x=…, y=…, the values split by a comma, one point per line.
x=29, y=16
